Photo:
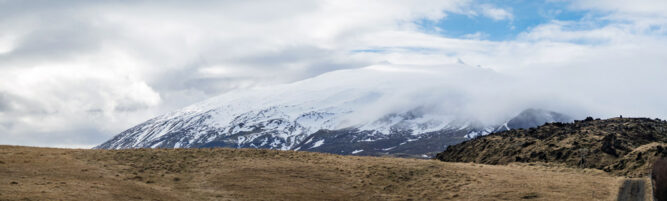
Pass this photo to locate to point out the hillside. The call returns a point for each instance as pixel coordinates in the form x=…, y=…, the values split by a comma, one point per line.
x=623, y=146
x=258, y=174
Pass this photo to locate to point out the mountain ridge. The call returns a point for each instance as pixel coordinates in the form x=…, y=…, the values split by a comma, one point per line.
x=377, y=110
x=274, y=133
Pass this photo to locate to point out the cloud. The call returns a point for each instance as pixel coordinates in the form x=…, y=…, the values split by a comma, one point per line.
x=476, y=36
x=5, y=105
x=77, y=72
x=496, y=14
x=637, y=8
x=642, y=15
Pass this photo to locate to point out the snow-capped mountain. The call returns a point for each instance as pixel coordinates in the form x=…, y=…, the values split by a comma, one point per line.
x=370, y=111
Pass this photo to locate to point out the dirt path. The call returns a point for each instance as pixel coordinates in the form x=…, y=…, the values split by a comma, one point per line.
x=632, y=190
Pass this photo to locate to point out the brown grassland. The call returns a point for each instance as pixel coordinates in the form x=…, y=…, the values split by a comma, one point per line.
x=28, y=173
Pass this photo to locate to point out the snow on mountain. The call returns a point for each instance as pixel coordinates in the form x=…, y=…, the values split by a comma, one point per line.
x=371, y=109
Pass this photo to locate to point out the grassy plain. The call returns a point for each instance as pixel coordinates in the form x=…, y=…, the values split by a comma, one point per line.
x=28, y=173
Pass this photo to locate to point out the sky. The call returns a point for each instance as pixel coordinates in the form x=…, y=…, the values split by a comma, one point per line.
x=74, y=73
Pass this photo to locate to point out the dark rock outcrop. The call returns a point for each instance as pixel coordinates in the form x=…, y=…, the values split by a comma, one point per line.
x=623, y=146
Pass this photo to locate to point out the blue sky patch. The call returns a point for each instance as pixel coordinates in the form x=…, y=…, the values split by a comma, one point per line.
x=526, y=15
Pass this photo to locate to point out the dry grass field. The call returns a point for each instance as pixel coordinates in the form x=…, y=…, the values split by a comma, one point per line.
x=28, y=173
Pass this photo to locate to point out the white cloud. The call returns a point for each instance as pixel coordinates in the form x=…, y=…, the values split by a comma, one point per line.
x=6, y=43
x=643, y=15
x=79, y=72
x=637, y=7
x=476, y=36
x=495, y=13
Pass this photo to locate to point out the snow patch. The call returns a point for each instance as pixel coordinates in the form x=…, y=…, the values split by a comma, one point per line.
x=318, y=144
x=387, y=149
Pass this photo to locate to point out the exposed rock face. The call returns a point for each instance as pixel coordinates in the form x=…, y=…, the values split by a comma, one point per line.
x=624, y=146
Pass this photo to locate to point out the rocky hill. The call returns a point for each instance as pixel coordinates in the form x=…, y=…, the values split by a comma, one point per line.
x=622, y=146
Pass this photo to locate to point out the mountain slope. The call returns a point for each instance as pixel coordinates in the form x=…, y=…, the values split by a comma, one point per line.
x=376, y=110
x=624, y=146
